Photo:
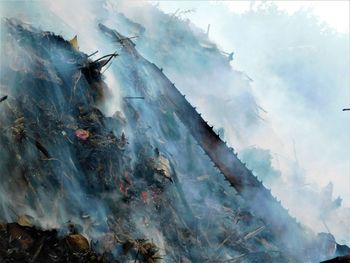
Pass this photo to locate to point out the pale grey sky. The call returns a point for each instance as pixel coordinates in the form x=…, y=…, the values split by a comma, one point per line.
x=334, y=13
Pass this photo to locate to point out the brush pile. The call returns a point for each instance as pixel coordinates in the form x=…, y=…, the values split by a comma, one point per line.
x=22, y=242
x=59, y=156
x=133, y=187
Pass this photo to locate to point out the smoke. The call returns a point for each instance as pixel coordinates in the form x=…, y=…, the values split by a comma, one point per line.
x=299, y=81
x=199, y=200
x=260, y=161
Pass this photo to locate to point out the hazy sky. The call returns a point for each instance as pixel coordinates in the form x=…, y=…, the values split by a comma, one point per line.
x=314, y=131
x=334, y=13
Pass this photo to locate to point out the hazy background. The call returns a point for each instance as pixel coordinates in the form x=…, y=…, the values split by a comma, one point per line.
x=297, y=55
x=300, y=70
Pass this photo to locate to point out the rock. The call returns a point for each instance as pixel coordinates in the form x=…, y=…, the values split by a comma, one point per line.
x=25, y=220
x=78, y=243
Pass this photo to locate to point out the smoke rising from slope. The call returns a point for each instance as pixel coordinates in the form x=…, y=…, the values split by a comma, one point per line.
x=223, y=95
x=299, y=71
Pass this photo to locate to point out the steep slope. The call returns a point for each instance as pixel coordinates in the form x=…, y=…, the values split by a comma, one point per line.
x=284, y=75
x=136, y=176
x=259, y=199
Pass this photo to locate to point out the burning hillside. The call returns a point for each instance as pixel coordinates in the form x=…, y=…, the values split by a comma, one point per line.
x=137, y=186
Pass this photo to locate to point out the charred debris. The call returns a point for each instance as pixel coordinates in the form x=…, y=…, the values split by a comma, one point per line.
x=22, y=242
x=78, y=186
x=47, y=118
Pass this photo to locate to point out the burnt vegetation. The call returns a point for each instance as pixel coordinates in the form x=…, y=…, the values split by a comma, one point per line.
x=78, y=186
